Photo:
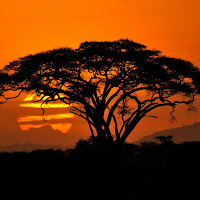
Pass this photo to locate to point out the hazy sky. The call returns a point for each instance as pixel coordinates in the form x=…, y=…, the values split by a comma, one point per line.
x=28, y=27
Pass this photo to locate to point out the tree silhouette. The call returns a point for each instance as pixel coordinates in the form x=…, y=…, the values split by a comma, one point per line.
x=117, y=82
x=164, y=139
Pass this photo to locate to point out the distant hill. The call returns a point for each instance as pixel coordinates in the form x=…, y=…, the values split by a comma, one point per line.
x=187, y=133
x=28, y=147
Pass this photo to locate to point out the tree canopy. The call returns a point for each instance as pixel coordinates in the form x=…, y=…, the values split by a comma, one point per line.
x=120, y=82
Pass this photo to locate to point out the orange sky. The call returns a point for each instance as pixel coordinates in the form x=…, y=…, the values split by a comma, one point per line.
x=28, y=27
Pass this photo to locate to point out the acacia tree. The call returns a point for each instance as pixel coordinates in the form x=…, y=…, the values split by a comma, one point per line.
x=117, y=82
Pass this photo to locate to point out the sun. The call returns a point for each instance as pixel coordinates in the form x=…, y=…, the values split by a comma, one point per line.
x=27, y=122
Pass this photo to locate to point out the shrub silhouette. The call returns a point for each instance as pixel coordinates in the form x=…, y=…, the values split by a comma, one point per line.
x=158, y=166
x=164, y=139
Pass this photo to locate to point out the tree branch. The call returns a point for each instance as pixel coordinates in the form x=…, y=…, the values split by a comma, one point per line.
x=7, y=98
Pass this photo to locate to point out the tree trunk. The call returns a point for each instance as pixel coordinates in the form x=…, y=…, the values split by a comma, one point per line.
x=130, y=128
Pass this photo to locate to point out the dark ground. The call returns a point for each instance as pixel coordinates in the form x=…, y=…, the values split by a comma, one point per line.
x=86, y=172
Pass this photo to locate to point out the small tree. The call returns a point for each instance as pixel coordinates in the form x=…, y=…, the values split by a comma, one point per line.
x=164, y=139
x=103, y=82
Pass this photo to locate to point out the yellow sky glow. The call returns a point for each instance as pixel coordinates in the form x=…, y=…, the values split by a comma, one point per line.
x=25, y=127
x=32, y=97
x=62, y=127
x=46, y=117
x=49, y=105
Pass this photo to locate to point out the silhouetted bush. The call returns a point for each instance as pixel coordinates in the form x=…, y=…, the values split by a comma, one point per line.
x=165, y=140
x=149, y=162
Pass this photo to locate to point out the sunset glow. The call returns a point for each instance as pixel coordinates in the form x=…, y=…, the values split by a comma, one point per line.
x=30, y=97
x=31, y=104
x=49, y=105
x=25, y=127
x=31, y=27
x=62, y=127
x=34, y=97
x=28, y=102
x=46, y=117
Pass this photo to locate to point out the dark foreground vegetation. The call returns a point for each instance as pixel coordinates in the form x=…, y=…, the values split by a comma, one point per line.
x=94, y=172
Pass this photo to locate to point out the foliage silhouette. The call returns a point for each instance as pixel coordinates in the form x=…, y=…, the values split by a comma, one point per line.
x=117, y=82
x=165, y=139
x=139, y=167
